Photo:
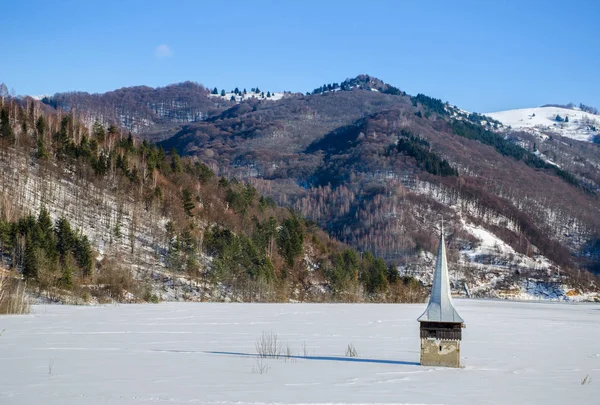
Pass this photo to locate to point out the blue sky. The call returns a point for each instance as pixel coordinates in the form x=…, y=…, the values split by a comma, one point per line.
x=480, y=55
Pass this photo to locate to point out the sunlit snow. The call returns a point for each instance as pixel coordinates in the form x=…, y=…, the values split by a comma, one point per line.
x=240, y=97
x=542, y=120
x=186, y=353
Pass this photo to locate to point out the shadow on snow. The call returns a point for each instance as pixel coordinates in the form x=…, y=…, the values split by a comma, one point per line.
x=322, y=358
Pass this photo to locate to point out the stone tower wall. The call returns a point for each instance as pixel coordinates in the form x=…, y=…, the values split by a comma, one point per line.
x=445, y=353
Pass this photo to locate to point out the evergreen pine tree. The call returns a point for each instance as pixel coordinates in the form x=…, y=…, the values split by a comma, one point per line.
x=44, y=222
x=63, y=142
x=30, y=261
x=175, y=161
x=378, y=278
x=5, y=127
x=64, y=236
x=130, y=143
x=47, y=239
x=291, y=239
x=83, y=255
x=188, y=202
x=66, y=278
x=98, y=131
x=392, y=274
x=41, y=152
x=40, y=126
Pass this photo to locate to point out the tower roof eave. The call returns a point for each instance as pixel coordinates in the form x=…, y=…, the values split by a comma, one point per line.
x=434, y=313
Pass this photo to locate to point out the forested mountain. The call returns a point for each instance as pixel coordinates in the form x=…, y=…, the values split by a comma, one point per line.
x=90, y=213
x=142, y=109
x=378, y=168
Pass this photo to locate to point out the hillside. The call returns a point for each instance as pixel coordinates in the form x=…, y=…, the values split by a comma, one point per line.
x=349, y=181
x=547, y=121
x=377, y=169
x=142, y=109
x=155, y=113
x=90, y=214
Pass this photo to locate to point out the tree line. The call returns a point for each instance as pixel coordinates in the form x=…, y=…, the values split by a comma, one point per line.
x=418, y=148
x=508, y=148
x=48, y=253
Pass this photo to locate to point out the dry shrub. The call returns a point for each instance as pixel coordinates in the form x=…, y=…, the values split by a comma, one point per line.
x=12, y=295
x=351, y=351
x=260, y=367
x=407, y=290
x=269, y=345
x=255, y=290
x=114, y=279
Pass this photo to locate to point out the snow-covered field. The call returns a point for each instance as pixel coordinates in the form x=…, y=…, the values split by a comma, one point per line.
x=542, y=120
x=185, y=353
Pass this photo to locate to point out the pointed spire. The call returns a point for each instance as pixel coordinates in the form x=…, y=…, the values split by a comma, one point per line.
x=440, y=308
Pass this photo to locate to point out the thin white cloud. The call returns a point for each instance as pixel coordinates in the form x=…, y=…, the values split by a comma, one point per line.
x=163, y=51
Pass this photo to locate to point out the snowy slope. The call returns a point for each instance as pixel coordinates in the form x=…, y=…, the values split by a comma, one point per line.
x=185, y=353
x=240, y=97
x=487, y=266
x=491, y=245
x=542, y=121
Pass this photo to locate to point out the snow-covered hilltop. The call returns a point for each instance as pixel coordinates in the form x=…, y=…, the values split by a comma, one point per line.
x=571, y=123
x=241, y=95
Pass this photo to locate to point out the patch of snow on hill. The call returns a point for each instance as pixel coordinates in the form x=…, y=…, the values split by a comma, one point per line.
x=502, y=272
x=40, y=96
x=241, y=97
x=543, y=121
x=492, y=245
x=545, y=159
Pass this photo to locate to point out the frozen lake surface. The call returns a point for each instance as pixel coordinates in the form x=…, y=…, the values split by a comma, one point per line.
x=187, y=353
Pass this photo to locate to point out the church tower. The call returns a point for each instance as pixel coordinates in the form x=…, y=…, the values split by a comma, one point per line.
x=441, y=326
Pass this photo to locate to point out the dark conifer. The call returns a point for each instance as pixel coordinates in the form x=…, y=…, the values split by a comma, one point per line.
x=188, y=202
x=175, y=161
x=6, y=130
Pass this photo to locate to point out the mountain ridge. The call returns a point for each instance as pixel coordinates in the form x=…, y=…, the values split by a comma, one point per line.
x=496, y=175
